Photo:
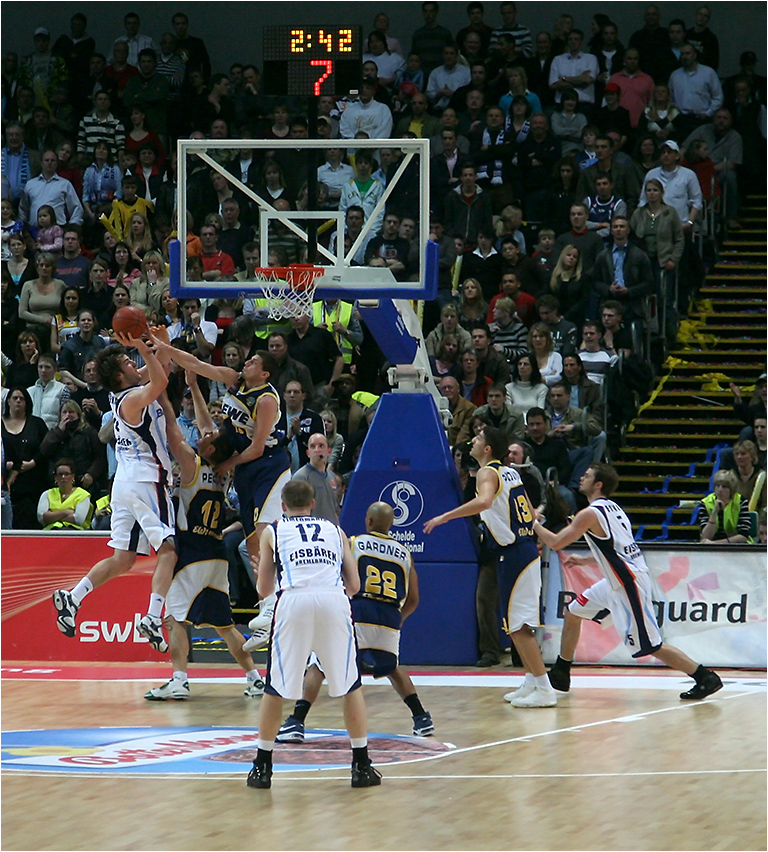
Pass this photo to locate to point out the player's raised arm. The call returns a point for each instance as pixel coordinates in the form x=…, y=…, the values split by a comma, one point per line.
x=584, y=520
x=487, y=485
x=202, y=416
x=225, y=375
x=180, y=449
x=132, y=405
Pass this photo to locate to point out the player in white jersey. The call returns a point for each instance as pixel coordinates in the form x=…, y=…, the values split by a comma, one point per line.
x=308, y=562
x=142, y=509
x=389, y=593
x=199, y=593
x=508, y=517
x=625, y=590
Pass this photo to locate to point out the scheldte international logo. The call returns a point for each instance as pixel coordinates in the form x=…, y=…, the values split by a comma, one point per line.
x=200, y=751
x=406, y=499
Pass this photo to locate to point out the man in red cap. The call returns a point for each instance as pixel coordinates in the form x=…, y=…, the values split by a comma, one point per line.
x=613, y=118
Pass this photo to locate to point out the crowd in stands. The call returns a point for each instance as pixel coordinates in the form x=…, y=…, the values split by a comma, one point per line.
x=568, y=175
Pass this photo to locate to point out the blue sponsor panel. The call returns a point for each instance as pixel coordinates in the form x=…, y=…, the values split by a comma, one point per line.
x=406, y=462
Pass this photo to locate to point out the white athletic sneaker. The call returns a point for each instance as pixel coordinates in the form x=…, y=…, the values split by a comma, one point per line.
x=259, y=639
x=254, y=689
x=521, y=692
x=175, y=689
x=536, y=698
x=264, y=618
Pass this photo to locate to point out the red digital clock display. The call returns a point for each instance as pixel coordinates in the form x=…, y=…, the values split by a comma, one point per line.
x=311, y=60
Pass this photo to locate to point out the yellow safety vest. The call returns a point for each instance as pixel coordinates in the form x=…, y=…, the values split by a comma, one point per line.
x=342, y=312
x=273, y=325
x=56, y=504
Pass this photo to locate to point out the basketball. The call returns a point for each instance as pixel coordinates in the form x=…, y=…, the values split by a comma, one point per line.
x=131, y=321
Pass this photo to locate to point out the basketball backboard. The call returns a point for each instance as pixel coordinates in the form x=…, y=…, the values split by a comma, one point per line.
x=346, y=274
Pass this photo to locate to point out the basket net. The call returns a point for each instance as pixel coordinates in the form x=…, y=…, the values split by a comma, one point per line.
x=289, y=290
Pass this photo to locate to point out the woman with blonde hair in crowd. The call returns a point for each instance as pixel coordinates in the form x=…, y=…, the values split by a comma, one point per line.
x=751, y=477
x=659, y=116
x=139, y=237
x=517, y=78
x=542, y=349
x=335, y=440
x=154, y=278
x=41, y=297
x=569, y=284
x=724, y=514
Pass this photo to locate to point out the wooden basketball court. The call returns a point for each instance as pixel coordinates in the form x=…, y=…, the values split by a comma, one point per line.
x=620, y=763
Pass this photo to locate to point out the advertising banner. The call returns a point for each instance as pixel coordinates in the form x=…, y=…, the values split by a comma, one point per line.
x=35, y=566
x=708, y=604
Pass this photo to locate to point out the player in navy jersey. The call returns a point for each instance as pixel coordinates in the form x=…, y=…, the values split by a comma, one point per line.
x=307, y=560
x=508, y=517
x=142, y=509
x=625, y=590
x=251, y=408
x=199, y=593
x=389, y=593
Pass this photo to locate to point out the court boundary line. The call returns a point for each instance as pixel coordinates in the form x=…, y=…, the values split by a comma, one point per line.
x=311, y=775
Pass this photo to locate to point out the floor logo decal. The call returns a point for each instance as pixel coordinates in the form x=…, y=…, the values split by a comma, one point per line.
x=192, y=750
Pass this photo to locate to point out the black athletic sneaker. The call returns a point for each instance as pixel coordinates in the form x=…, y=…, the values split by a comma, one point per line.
x=67, y=611
x=364, y=775
x=560, y=679
x=708, y=685
x=260, y=776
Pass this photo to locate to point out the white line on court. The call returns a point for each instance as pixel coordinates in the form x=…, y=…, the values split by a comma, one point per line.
x=500, y=681
x=312, y=775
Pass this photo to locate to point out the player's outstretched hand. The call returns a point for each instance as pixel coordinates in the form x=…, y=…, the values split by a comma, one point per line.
x=190, y=377
x=160, y=332
x=432, y=523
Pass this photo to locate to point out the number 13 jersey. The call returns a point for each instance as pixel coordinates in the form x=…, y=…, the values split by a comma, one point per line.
x=509, y=519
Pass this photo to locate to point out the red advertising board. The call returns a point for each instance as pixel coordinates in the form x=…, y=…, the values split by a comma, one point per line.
x=34, y=566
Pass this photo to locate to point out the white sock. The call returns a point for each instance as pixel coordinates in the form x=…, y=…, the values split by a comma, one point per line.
x=180, y=676
x=252, y=675
x=543, y=683
x=156, y=605
x=358, y=742
x=529, y=679
x=265, y=745
x=83, y=588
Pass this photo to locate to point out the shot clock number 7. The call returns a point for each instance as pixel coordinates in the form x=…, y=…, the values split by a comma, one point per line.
x=312, y=60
